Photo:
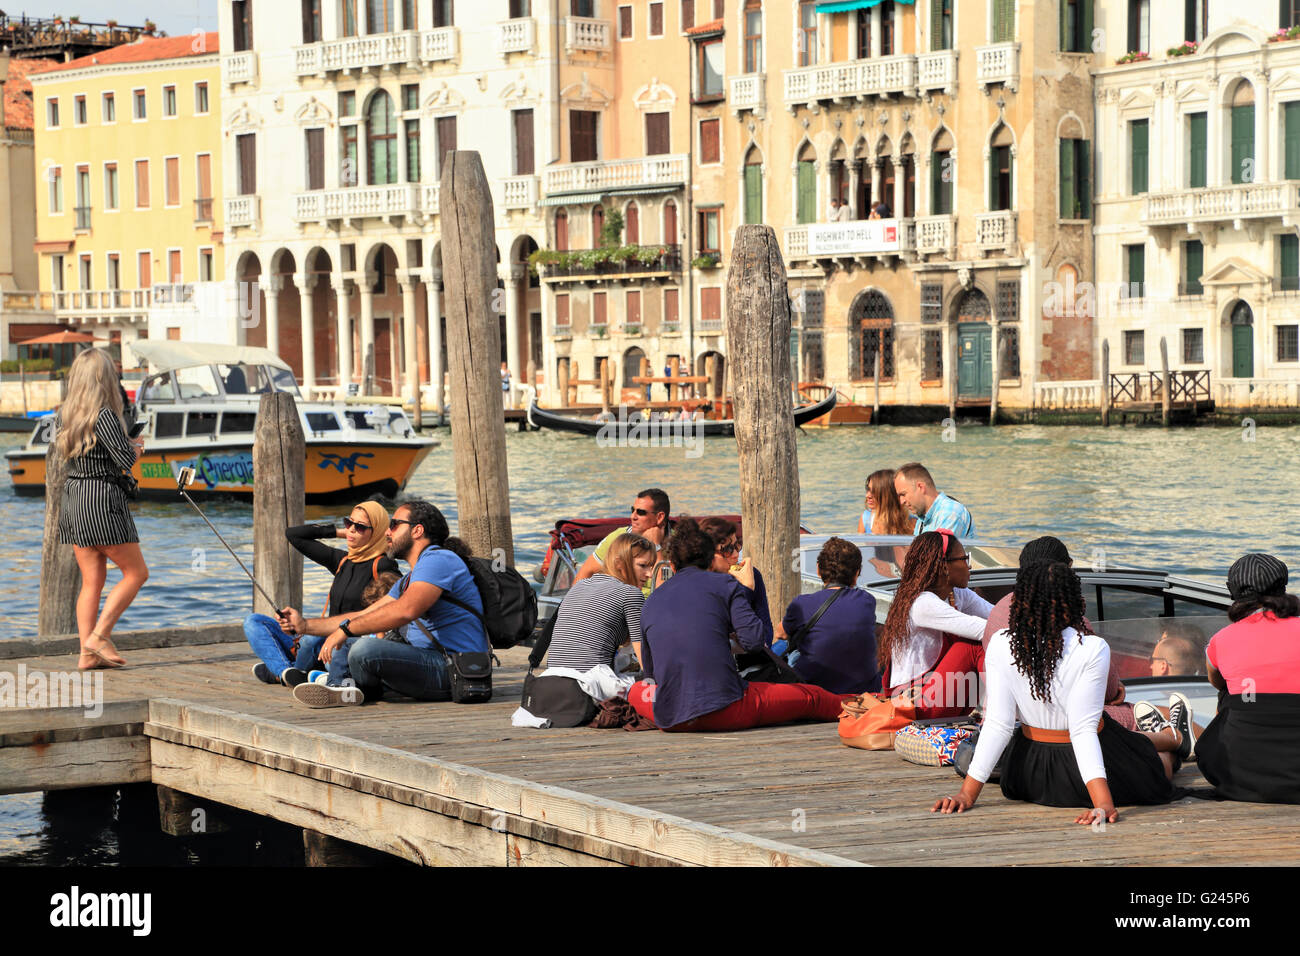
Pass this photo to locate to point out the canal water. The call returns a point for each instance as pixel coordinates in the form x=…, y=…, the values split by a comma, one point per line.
x=1187, y=500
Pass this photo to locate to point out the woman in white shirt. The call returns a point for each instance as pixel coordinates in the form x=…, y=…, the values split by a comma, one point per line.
x=1049, y=670
x=932, y=638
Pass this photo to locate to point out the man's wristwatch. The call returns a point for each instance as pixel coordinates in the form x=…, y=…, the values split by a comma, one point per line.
x=343, y=626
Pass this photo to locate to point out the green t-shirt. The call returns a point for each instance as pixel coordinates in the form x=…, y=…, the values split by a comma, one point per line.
x=602, y=551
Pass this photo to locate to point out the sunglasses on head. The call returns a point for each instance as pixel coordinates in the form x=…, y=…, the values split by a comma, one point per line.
x=349, y=523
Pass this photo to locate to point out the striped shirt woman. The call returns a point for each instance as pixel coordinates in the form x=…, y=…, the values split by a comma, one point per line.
x=603, y=612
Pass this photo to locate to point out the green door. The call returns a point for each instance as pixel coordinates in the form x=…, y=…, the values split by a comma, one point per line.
x=1243, y=351
x=974, y=360
x=1243, y=144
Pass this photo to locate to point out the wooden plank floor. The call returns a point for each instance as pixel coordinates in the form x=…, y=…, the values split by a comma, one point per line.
x=795, y=784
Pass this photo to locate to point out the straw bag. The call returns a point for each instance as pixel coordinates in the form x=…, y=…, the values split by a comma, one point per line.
x=870, y=721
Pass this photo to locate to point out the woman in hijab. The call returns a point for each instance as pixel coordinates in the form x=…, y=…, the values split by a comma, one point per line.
x=287, y=661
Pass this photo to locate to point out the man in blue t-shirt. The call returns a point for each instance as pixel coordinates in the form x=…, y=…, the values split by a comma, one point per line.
x=439, y=591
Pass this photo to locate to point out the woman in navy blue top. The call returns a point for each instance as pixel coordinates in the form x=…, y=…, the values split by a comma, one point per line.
x=839, y=652
x=726, y=541
x=686, y=629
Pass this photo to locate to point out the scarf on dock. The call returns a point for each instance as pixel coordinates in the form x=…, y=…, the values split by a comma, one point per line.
x=378, y=542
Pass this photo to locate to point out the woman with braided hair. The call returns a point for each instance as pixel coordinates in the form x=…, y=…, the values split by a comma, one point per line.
x=931, y=638
x=1049, y=669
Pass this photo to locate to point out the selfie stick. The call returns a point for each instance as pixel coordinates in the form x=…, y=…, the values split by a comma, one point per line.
x=186, y=477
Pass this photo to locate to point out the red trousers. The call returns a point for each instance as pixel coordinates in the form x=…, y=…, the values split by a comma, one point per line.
x=952, y=687
x=762, y=705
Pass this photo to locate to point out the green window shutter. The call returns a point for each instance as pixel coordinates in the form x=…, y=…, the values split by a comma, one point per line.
x=1004, y=21
x=936, y=184
x=1065, y=33
x=1194, y=258
x=1290, y=249
x=807, y=194
x=1083, y=174
x=1138, y=145
x=1243, y=143
x=1085, y=41
x=1137, y=262
x=936, y=23
x=753, y=194
x=1291, y=141
x=1198, y=151
x=1067, y=178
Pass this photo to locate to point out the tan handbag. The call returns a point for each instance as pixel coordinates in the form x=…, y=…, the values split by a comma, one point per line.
x=870, y=721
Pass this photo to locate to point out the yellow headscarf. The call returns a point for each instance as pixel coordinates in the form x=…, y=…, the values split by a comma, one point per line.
x=378, y=543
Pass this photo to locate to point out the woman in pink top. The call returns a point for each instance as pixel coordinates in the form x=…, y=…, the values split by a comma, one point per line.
x=1251, y=750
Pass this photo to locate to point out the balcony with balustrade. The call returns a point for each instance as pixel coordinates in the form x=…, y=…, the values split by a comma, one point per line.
x=1244, y=205
x=936, y=70
x=242, y=211
x=392, y=201
x=666, y=170
x=98, y=305
x=519, y=192
x=747, y=92
x=936, y=235
x=585, y=34
x=882, y=76
x=998, y=63
x=238, y=67
x=996, y=231
x=517, y=36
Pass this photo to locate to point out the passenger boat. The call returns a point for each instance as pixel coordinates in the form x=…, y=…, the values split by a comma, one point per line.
x=1128, y=607
x=200, y=402
x=655, y=429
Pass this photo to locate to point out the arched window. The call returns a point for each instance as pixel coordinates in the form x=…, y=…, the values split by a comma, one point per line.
x=885, y=163
x=632, y=225
x=753, y=36
x=1000, y=182
x=806, y=185
x=753, y=188
x=670, y=223
x=872, y=327
x=942, y=174
x=381, y=139
x=597, y=225
x=561, y=231
x=1242, y=161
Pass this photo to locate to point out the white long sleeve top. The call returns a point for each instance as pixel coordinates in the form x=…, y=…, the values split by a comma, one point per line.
x=1076, y=695
x=930, y=619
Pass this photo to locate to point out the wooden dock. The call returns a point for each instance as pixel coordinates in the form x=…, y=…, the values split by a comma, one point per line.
x=447, y=784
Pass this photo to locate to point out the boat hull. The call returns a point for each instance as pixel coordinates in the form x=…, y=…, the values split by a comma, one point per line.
x=660, y=432
x=333, y=471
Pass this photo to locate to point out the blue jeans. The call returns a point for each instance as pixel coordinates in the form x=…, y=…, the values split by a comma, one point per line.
x=419, y=672
x=269, y=642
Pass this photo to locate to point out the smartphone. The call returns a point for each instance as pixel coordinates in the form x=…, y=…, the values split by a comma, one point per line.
x=138, y=428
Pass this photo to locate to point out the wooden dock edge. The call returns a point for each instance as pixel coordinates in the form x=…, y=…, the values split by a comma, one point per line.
x=229, y=632
x=70, y=747
x=426, y=810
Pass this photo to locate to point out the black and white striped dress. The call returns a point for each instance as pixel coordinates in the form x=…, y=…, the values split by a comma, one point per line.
x=95, y=509
x=597, y=616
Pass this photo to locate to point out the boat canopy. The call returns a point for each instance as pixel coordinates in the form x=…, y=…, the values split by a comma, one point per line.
x=168, y=356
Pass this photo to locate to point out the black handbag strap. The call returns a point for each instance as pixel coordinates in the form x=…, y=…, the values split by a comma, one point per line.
x=543, y=642
x=792, y=642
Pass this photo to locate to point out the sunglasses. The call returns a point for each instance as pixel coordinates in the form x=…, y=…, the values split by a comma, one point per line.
x=396, y=521
x=349, y=523
x=640, y=512
x=964, y=557
x=732, y=548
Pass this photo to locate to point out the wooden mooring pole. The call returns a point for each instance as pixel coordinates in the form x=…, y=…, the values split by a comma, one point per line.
x=474, y=354
x=60, y=577
x=279, y=454
x=1166, y=386
x=758, y=333
x=1105, y=383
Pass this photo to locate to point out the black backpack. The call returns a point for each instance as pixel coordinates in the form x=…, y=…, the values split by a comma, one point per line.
x=509, y=603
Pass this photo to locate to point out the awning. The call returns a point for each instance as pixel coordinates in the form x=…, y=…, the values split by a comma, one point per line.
x=167, y=355
x=582, y=199
x=53, y=245
x=565, y=199
x=707, y=29
x=645, y=190
x=841, y=6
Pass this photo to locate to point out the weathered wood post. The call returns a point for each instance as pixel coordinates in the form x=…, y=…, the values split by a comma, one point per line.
x=60, y=577
x=999, y=352
x=875, y=390
x=474, y=357
x=279, y=494
x=562, y=383
x=674, y=370
x=1105, y=383
x=602, y=375
x=758, y=333
x=1167, y=386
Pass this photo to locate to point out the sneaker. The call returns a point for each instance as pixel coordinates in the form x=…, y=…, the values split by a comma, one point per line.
x=1180, y=715
x=263, y=673
x=325, y=695
x=1148, y=719
x=293, y=676
x=318, y=677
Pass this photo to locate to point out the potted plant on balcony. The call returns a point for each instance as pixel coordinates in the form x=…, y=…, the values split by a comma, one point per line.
x=150, y=27
x=707, y=260
x=1133, y=56
x=1186, y=48
x=632, y=329
x=650, y=255
x=623, y=255
x=1283, y=35
x=111, y=23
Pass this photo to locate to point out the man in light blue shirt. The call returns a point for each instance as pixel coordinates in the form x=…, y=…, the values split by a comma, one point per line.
x=933, y=509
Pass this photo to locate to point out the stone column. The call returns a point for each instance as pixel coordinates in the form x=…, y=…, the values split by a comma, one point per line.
x=512, y=275
x=900, y=183
x=368, y=281
x=433, y=290
x=272, y=287
x=342, y=292
x=410, y=362
x=1264, y=170
x=305, y=296
x=855, y=176
x=875, y=177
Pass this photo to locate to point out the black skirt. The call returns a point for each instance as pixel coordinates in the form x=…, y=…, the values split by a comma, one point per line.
x=1251, y=750
x=1048, y=774
x=95, y=513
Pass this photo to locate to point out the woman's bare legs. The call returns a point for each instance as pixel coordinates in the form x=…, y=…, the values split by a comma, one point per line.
x=96, y=626
x=94, y=569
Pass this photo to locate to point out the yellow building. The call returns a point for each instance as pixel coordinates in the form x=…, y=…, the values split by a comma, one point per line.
x=128, y=201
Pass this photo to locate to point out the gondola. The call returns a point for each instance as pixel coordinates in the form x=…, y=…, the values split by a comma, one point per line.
x=637, y=426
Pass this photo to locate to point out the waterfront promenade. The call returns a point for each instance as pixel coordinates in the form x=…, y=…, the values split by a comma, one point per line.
x=446, y=784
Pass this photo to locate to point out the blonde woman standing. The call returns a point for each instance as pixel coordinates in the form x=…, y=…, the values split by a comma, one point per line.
x=95, y=520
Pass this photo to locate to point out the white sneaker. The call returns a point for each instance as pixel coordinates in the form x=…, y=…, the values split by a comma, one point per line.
x=326, y=695
x=1148, y=719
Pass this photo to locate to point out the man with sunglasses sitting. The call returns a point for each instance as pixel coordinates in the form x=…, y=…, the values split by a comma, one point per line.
x=649, y=519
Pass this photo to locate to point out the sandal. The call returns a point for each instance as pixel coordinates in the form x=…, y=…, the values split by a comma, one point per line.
x=97, y=662
x=109, y=652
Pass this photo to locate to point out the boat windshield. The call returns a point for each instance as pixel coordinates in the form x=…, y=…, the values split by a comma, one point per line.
x=197, y=382
x=256, y=379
